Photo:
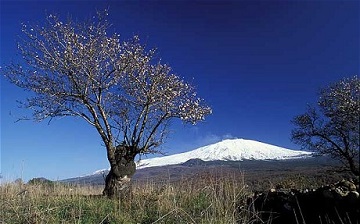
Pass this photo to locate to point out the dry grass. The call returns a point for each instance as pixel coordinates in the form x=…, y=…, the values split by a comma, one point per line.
x=204, y=199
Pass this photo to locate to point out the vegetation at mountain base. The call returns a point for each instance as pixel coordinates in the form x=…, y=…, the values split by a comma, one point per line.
x=40, y=180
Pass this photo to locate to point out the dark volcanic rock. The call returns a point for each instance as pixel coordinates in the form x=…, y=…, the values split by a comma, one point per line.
x=336, y=203
x=194, y=162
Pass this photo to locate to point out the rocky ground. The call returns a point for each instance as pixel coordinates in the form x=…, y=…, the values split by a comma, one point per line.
x=334, y=203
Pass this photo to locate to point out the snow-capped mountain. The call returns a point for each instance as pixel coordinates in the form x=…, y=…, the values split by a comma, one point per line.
x=226, y=150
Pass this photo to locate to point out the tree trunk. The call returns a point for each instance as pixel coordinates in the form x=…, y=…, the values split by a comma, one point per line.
x=117, y=182
x=354, y=168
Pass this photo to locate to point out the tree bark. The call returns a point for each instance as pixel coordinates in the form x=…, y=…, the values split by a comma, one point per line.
x=117, y=182
x=354, y=168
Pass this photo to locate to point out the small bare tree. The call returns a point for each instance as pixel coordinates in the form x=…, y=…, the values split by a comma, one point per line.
x=333, y=127
x=81, y=70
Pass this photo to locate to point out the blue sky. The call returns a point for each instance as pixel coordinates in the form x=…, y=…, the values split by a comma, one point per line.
x=256, y=63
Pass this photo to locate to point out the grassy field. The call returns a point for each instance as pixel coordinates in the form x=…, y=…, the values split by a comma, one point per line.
x=204, y=198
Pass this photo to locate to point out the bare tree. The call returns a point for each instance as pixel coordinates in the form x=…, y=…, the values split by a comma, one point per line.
x=81, y=70
x=333, y=127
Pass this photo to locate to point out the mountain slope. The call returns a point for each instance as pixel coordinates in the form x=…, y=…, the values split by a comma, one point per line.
x=254, y=170
x=228, y=150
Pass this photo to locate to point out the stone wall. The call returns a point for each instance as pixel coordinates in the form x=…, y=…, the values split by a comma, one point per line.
x=335, y=203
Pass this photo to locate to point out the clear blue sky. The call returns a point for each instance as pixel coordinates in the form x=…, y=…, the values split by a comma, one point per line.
x=256, y=63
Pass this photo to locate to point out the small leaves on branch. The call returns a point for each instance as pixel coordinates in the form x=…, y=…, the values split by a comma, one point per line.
x=82, y=69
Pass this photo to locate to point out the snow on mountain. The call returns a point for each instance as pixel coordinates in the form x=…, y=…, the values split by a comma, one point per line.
x=228, y=150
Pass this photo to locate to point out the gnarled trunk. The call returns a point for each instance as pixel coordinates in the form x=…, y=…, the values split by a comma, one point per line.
x=117, y=182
